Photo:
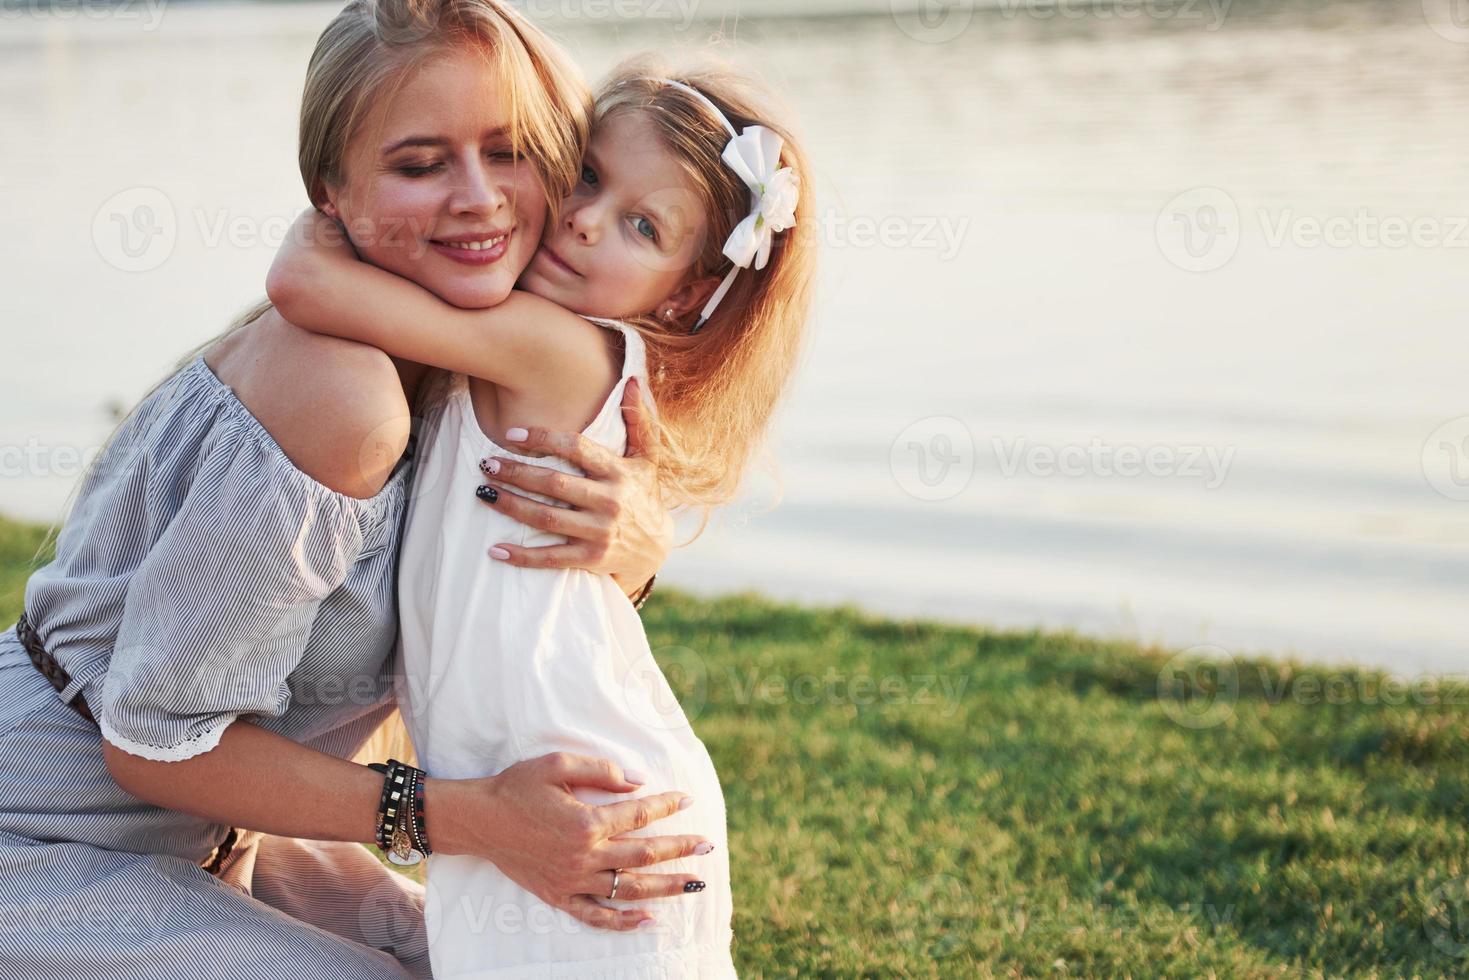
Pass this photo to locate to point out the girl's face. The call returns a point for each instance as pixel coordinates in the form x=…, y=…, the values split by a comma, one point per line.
x=630, y=232
x=432, y=188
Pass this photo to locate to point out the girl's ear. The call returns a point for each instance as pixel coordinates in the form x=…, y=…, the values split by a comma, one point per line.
x=688, y=298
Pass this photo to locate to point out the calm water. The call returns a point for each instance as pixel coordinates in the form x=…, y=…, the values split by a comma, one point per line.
x=1144, y=326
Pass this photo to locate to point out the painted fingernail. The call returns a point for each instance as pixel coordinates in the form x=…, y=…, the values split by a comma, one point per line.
x=517, y=434
x=686, y=802
x=646, y=923
x=693, y=886
x=633, y=776
x=490, y=465
x=704, y=848
x=487, y=493
x=498, y=552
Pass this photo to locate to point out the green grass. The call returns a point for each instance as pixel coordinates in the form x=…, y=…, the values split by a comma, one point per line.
x=1033, y=804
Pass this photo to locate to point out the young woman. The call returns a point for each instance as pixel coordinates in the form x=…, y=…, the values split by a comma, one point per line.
x=219, y=618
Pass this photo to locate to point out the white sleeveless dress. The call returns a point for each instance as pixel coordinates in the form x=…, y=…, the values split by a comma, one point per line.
x=501, y=664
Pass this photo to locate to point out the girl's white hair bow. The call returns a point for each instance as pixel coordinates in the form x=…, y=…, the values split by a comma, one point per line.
x=754, y=155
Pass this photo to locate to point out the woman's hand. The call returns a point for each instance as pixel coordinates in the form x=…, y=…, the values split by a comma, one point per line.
x=617, y=523
x=526, y=821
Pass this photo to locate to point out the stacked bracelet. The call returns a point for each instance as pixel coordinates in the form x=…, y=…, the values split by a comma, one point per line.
x=401, y=832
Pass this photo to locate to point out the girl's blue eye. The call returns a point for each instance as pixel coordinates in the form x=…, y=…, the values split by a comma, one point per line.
x=588, y=176
x=646, y=229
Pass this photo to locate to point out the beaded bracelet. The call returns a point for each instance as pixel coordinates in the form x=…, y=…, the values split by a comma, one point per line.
x=401, y=832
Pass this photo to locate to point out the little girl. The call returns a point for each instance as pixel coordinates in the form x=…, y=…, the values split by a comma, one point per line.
x=677, y=233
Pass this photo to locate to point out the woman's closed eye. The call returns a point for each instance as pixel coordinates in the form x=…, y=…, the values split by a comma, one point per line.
x=419, y=170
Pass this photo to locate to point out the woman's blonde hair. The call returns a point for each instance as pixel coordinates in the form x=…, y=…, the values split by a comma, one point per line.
x=369, y=50
x=717, y=390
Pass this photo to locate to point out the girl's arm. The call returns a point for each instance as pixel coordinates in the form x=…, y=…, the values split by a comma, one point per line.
x=318, y=283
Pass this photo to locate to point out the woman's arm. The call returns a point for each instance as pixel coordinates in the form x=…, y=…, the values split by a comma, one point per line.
x=524, y=819
x=318, y=283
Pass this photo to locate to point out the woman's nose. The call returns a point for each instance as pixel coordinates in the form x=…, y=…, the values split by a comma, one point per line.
x=477, y=193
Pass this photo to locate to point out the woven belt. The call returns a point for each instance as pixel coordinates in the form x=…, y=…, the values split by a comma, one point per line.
x=47, y=665
x=59, y=678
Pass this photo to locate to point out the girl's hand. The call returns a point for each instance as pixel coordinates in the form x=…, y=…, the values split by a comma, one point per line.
x=526, y=821
x=617, y=524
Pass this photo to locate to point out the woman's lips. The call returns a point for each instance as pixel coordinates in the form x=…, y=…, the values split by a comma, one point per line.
x=558, y=261
x=482, y=251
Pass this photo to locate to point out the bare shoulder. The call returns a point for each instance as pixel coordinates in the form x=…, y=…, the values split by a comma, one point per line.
x=336, y=407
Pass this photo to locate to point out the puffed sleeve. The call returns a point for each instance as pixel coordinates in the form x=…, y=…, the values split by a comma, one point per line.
x=218, y=613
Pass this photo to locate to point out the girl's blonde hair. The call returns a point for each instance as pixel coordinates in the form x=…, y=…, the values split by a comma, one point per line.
x=716, y=391
x=364, y=55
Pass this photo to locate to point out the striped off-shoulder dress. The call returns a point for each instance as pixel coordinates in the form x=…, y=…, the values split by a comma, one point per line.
x=201, y=577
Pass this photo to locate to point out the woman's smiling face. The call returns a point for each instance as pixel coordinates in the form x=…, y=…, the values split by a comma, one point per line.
x=433, y=190
x=629, y=234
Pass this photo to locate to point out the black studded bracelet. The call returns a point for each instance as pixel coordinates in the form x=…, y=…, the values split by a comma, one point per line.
x=401, y=831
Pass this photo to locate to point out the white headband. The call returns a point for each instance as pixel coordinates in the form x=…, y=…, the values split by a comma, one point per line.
x=754, y=155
